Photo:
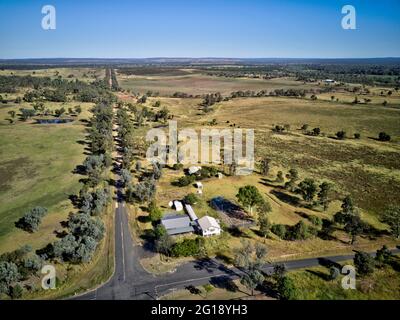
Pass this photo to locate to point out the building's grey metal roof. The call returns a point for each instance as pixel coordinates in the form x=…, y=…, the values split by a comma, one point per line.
x=176, y=224
x=191, y=212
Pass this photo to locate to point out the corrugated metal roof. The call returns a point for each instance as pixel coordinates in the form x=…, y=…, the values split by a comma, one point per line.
x=190, y=212
x=175, y=224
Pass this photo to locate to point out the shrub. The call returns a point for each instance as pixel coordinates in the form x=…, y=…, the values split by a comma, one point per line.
x=279, y=230
x=357, y=136
x=31, y=220
x=364, y=263
x=188, y=247
x=191, y=198
x=185, y=181
x=341, y=135
x=316, y=221
x=177, y=166
x=383, y=136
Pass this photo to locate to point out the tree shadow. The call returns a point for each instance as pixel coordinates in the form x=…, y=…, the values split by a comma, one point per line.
x=325, y=262
x=226, y=283
x=319, y=274
x=287, y=198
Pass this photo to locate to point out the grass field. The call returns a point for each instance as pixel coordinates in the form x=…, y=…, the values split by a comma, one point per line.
x=383, y=284
x=83, y=74
x=36, y=170
x=201, y=84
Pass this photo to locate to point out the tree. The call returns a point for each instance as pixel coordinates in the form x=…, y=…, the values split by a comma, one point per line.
x=163, y=114
x=157, y=104
x=11, y=113
x=31, y=220
x=391, y=216
x=341, y=135
x=78, y=109
x=8, y=275
x=126, y=176
x=357, y=136
x=364, y=263
x=279, y=271
x=308, y=189
x=287, y=289
x=265, y=166
x=293, y=176
x=383, y=136
x=280, y=230
x=354, y=226
x=279, y=177
x=264, y=224
x=249, y=196
x=316, y=131
x=160, y=231
x=383, y=255
x=155, y=213
x=323, y=194
x=16, y=291
x=164, y=244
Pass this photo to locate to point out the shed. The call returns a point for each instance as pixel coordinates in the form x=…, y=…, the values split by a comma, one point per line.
x=177, y=224
x=178, y=205
x=190, y=212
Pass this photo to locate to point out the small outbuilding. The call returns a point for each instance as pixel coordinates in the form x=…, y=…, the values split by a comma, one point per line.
x=194, y=169
x=209, y=226
x=178, y=205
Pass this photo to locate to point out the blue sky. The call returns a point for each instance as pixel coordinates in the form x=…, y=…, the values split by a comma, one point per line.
x=199, y=28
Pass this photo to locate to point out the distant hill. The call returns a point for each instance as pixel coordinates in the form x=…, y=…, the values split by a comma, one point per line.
x=59, y=62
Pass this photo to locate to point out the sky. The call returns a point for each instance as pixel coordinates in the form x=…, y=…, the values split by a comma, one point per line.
x=199, y=28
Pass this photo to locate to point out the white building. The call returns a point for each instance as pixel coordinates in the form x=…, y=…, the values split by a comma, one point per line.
x=209, y=226
x=194, y=169
x=178, y=205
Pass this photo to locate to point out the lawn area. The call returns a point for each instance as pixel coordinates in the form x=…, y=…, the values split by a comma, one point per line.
x=196, y=84
x=36, y=164
x=383, y=284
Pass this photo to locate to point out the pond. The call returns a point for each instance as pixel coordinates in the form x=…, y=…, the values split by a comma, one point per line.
x=53, y=121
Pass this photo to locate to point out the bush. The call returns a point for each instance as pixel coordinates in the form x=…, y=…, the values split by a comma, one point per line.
x=188, y=247
x=357, y=136
x=177, y=166
x=383, y=136
x=185, y=181
x=155, y=212
x=31, y=220
x=16, y=291
x=341, y=135
x=287, y=289
x=191, y=199
x=316, y=221
x=279, y=230
x=364, y=263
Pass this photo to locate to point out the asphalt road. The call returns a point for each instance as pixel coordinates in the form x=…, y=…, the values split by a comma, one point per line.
x=131, y=281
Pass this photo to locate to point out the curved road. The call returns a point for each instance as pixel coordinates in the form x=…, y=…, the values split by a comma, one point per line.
x=131, y=281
